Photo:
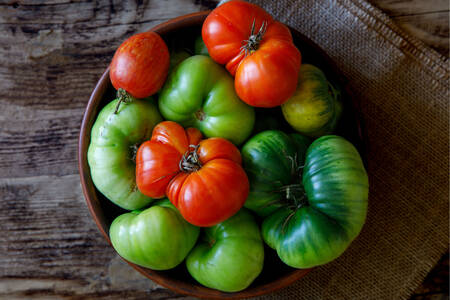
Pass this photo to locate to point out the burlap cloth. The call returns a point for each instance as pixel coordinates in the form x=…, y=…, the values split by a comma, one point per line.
x=403, y=89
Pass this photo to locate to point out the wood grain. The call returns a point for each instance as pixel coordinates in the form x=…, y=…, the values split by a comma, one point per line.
x=51, y=55
x=426, y=20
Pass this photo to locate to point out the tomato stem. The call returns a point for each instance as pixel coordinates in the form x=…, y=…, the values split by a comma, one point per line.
x=295, y=192
x=254, y=39
x=133, y=149
x=190, y=162
x=124, y=97
x=287, y=220
x=200, y=115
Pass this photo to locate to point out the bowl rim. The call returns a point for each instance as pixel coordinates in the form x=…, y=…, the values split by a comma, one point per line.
x=89, y=191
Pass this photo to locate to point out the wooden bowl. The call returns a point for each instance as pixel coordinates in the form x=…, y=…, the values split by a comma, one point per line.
x=275, y=274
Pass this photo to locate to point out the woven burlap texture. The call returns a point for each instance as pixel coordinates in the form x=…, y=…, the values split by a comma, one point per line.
x=402, y=86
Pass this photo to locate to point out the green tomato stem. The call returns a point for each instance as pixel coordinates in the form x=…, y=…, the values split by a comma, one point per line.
x=124, y=97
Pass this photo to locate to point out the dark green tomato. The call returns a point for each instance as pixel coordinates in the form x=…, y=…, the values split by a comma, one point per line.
x=230, y=255
x=317, y=207
x=200, y=47
x=200, y=93
x=157, y=237
x=115, y=138
x=272, y=161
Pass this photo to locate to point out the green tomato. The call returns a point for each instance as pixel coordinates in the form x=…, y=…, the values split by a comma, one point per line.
x=230, y=255
x=115, y=138
x=200, y=47
x=314, y=109
x=200, y=93
x=314, y=198
x=157, y=237
x=271, y=159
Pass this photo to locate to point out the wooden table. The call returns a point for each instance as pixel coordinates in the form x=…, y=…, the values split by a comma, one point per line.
x=51, y=55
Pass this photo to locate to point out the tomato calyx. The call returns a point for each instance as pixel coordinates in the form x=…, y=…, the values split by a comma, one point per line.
x=133, y=152
x=123, y=97
x=295, y=195
x=296, y=198
x=190, y=162
x=254, y=39
x=200, y=115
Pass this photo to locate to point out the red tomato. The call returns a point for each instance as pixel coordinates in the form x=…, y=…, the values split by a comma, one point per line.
x=140, y=65
x=257, y=50
x=202, y=178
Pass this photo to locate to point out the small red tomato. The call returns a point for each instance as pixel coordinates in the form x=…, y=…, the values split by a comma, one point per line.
x=140, y=65
x=256, y=49
x=204, y=179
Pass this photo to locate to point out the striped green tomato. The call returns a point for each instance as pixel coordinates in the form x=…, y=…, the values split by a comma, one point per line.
x=314, y=109
x=314, y=199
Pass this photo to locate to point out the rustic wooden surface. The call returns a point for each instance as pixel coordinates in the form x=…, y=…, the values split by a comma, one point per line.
x=51, y=55
x=427, y=20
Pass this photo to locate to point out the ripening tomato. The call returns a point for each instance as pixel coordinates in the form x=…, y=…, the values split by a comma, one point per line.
x=256, y=49
x=202, y=178
x=140, y=65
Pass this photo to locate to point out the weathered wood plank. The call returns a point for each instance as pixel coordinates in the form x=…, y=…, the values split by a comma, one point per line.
x=428, y=21
x=396, y=8
x=48, y=74
x=35, y=142
x=432, y=29
x=51, y=246
x=51, y=56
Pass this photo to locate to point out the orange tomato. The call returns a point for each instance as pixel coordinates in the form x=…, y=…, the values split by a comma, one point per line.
x=202, y=178
x=256, y=49
x=140, y=65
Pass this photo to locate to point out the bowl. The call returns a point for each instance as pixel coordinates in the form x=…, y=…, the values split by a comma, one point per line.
x=275, y=274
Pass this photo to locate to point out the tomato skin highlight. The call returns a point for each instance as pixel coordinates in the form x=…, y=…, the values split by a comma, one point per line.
x=203, y=179
x=140, y=65
x=266, y=74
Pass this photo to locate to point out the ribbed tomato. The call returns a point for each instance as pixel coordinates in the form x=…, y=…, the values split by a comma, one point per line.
x=140, y=65
x=202, y=178
x=256, y=49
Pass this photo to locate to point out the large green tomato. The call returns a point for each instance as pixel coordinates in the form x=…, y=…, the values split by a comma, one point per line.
x=115, y=138
x=157, y=237
x=200, y=93
x=230, y=255
x=315, y=108
x=315, y=204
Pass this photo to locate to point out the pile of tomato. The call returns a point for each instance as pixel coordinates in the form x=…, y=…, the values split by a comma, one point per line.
x=205, y=182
